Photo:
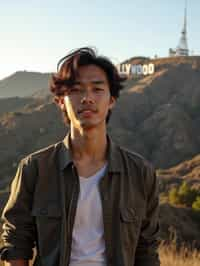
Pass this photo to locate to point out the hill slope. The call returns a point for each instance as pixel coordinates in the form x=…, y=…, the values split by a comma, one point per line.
x=158, y=115
x=23, y=84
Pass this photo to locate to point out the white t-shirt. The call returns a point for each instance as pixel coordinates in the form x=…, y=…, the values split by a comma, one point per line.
x=88, y=245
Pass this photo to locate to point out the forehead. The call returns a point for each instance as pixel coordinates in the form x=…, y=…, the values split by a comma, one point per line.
x=90, y=73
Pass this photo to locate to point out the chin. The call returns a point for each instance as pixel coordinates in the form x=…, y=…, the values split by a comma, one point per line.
x=88, y=125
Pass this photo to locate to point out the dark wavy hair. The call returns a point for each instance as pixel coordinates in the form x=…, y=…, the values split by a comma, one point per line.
x=67, y=71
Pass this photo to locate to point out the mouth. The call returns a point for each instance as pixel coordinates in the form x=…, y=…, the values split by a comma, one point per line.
x=87, y=110
x=87, y=113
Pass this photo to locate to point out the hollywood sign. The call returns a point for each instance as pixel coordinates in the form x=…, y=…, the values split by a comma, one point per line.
x=128, y=69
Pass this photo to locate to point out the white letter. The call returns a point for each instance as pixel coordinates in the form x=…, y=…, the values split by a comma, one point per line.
x=128, y=67
x=145, y=70
x=151, y=68
x=133, y=69
x=139, y=69
x=121, y=68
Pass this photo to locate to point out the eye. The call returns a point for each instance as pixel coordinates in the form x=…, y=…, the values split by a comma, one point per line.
x=75, y=90
x=96, y=89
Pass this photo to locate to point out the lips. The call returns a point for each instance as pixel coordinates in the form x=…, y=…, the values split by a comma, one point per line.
x=87, y=113
x=87, y=110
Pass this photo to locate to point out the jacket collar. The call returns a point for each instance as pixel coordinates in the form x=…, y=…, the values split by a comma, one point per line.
x=113, y=155
x=64, y=153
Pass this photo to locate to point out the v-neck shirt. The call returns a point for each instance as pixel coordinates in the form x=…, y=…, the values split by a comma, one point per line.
x=88, y=244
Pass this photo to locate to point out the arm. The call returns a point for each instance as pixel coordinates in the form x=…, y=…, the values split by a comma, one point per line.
x=18, y=225
x=147, y=248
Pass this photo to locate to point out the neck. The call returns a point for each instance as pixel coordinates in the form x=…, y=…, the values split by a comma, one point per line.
x=89, y=144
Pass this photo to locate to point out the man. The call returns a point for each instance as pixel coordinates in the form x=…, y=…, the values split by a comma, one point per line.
x=83, y=201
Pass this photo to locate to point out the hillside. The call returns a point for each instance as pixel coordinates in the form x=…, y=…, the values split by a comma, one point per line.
x=158, y=115
x=13, y=104
x=189, y=169
x=23, y=84
x=180, y=224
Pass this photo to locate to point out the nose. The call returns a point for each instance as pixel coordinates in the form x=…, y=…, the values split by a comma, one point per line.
x=87, y=97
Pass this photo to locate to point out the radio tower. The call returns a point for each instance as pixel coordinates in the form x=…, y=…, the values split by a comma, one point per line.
x=182, y=48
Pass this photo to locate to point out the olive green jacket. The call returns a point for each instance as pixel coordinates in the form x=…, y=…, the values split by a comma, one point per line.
x=42, y=204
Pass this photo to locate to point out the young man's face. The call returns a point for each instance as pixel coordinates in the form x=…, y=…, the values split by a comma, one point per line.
x=88, y=101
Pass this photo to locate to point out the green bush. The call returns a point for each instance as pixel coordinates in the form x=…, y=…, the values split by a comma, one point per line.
x=184, y=195
x=196, y=204
x=173, y=196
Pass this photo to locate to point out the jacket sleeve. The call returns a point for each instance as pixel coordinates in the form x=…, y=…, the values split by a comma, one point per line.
x=18, y=235
x=147, y=248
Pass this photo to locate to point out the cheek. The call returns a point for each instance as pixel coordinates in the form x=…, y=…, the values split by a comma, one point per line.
x=108, y=103
x=104, y=108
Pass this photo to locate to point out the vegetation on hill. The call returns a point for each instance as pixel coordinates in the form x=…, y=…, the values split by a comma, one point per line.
x=189, y=169
x=185, y=195
x=169, y=256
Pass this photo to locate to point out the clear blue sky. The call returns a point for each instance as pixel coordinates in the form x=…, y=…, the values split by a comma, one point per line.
x=35, y=34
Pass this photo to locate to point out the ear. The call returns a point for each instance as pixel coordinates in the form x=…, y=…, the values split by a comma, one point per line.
x=112, y=102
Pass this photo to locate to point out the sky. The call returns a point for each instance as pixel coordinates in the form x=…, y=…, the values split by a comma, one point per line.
x=34, y=35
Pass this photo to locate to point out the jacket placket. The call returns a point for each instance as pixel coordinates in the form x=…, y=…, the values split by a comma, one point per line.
x=107, y=220
x=68, y=216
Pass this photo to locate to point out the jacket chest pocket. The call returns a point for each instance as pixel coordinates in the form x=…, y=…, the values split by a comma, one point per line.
x=50, y=211
x=48, y=221
x=130, y=224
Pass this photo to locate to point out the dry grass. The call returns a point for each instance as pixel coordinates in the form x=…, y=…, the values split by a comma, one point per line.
x=169, y=256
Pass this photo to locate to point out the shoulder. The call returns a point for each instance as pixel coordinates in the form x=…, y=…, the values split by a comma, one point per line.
x=136, y=159
x=140, y=169
x=31, y=166
x=41, y=154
